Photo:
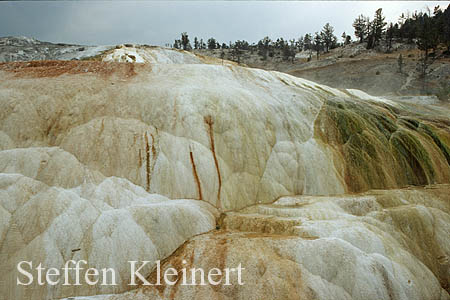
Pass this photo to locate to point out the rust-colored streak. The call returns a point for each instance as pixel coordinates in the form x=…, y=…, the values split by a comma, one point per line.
x=140, y=158
x=177, y=263
x=221, y=251
x=194, y=171
x=151, y=155
x=208, y=120
x=147, y=167
x=153, y=149
x=175, y=260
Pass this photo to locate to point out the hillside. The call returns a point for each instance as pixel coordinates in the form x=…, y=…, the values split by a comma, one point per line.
x=353, y=66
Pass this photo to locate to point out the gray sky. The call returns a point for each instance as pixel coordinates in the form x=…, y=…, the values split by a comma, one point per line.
x=158, y=22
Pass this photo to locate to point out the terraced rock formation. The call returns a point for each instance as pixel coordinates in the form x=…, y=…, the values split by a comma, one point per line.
x=376, y=245
x=112, y=161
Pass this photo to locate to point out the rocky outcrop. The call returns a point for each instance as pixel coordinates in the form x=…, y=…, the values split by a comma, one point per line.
x=110, y=162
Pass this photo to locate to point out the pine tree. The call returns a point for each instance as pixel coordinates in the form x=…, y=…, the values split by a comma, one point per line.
x=370, y=35
x=307, y=42
x=327, y=37
x=211, y=44
x=185, y=41
x=348, y=40
x=264, y=47
x=378, y=26
x=369, y=31
x=292, y=48
x=360, y=25
x=427, y=33
x=401, y=21
x=389, y=36
x=317, y=44
x=236, y=52
x=300, y=44
x=427, y=39
x=195, y=43
x=288, y=50
x=444, y=23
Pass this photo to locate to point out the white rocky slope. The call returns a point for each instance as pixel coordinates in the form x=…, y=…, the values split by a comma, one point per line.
x=156, y=55
x=19, y=48
x=128, y=161
x=29, y=49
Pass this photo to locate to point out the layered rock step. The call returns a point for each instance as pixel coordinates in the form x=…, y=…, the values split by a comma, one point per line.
x=259, y=223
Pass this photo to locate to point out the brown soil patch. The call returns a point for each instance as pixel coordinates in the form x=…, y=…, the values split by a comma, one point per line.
x=49, y=68
x=343, y=63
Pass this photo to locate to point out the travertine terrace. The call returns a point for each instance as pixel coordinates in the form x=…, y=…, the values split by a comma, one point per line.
x=322, y=193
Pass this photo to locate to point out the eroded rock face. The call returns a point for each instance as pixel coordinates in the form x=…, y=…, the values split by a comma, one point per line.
x=128, y=161
x=105, y=224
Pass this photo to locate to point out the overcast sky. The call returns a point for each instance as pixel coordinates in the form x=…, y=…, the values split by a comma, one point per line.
x=158, y=22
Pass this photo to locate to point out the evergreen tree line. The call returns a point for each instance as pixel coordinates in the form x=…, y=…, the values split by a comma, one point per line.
x=321, y=41
x=427, y=29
